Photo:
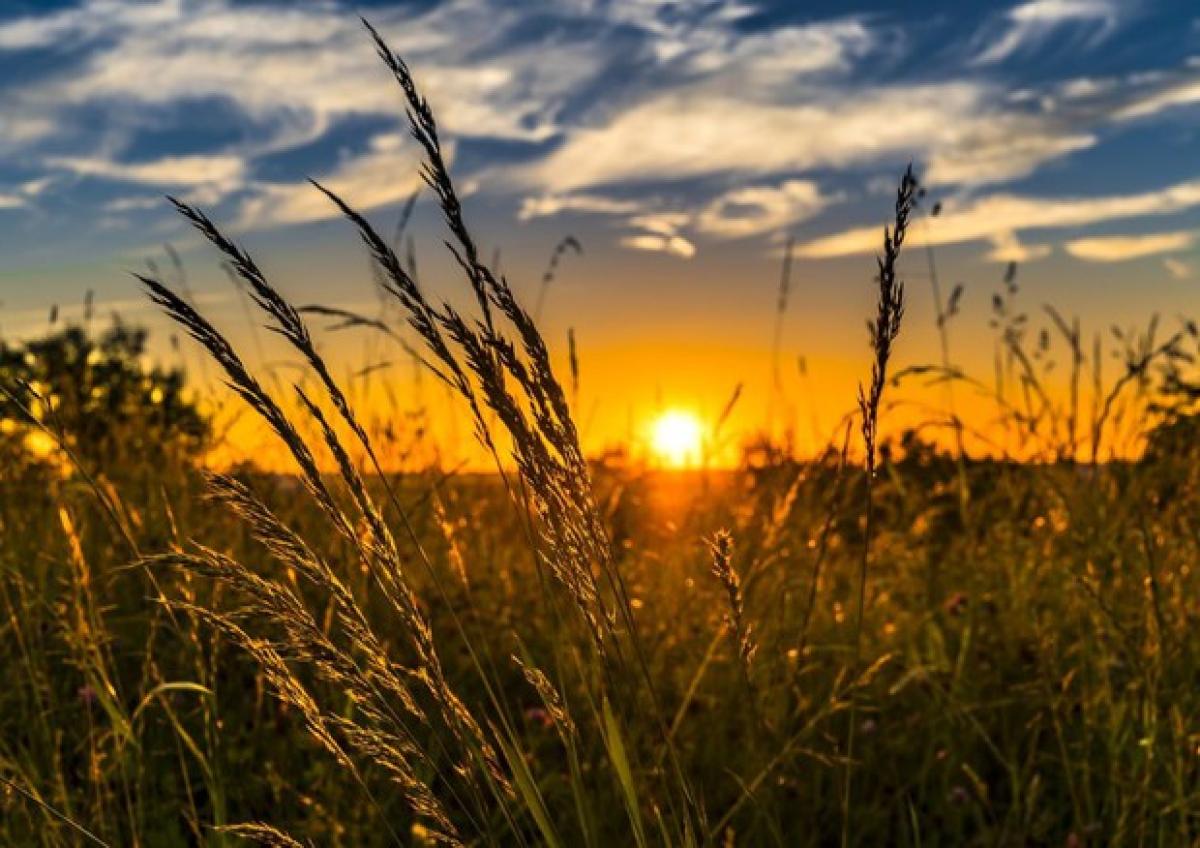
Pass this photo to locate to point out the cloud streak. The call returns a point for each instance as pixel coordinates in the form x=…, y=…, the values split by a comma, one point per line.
x=698, y=133
x=167, y=171
x=733, y=115
x=386, y=173
x=554, y=204
x=1124, y=248
x=762, y=209
x=1000, y=215
x=1033, y=23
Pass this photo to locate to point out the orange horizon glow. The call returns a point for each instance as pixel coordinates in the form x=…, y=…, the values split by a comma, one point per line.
x=679, y=434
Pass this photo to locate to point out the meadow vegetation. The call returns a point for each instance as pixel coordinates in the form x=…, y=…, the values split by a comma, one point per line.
x=892, y=642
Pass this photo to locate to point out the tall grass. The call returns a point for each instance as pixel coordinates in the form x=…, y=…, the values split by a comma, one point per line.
x=512, y=379
x=915, y=649
x=884, y=330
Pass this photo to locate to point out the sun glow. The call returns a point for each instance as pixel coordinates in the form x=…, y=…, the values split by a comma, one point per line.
x=676, y=438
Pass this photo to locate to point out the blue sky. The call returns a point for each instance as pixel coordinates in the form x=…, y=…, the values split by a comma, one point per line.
x=680, y=141
x=665, y=125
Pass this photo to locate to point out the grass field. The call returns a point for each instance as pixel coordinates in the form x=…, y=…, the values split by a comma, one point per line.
x=890, y=643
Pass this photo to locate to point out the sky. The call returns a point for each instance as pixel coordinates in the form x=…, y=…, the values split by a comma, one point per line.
x=682, y=143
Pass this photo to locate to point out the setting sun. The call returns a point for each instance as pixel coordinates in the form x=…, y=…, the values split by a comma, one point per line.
x=676, y=438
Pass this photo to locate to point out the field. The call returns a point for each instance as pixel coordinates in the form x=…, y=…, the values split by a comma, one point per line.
x=889, y=643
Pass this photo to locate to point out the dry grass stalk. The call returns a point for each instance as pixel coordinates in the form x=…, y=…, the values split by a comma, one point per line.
x=263, y=834
x=889, y=311
x=551, y=700
x=739, y=629
x=378, y=551
x=884, y=329
x=567, y=243
x=481, y=364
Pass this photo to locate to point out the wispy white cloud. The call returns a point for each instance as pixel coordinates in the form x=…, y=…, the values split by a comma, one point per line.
x=1094, y=104
x=293, y=72
x=662, y=223
x=18, y=130
x=196, y=179
x=87, y=20
x=1177, y=268
x=1184, y=92
x=760, y=209
x=735, y=116
x=673, y=244
x=387, y=173
x=1031, y=24
x=661, y=232
x=967, y=133
x=133, y=204
x=1122, y=248
x=553, y=204
x=702, y=40
x=1006, y=247
x=780, y=56
x=698, y=132
x=167, y=171
x=1009, y=147
x=997, y=215
x=34, y=187
x=299, y=68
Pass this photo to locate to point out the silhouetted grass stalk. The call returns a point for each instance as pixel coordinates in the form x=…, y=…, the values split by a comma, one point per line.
x=884, y=329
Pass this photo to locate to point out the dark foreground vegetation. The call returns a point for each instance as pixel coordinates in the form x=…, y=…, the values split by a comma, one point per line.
x=891, y=644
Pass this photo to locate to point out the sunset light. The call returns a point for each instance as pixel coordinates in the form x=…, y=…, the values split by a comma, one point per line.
x=631, y=422
x=676, y=438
